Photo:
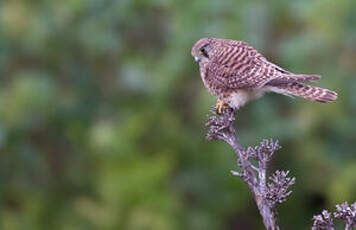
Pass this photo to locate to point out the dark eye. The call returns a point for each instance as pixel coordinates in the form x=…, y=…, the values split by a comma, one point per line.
x=204, y=52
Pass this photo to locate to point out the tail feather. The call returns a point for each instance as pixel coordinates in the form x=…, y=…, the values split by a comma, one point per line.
x=290, y=78
x=308, y=92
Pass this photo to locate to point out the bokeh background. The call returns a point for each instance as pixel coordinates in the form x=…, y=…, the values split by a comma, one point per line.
x=102, y=113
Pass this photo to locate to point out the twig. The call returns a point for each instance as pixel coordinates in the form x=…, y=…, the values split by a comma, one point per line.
x=266, y=195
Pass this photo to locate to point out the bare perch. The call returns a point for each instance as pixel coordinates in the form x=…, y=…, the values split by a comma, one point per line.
x=266, y=195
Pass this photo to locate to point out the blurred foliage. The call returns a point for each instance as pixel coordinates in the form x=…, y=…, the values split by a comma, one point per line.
x=102, y=113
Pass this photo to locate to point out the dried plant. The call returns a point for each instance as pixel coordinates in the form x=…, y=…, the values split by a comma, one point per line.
x=343, y=212
x=324, y=221
x=253, y=162
x=267, y=193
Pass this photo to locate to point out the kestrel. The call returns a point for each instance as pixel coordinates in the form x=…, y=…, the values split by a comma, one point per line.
x=236, y=73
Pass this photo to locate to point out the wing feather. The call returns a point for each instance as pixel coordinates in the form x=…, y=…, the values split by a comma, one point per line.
x=238, y=65
x=244, y=67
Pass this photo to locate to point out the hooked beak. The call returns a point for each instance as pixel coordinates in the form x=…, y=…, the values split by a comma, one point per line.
x=196, y=59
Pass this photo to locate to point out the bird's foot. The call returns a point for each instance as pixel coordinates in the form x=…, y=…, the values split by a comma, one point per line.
x=220, y=106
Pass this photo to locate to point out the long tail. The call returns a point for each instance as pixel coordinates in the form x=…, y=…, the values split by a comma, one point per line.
x=289, y=78
x=307, y=91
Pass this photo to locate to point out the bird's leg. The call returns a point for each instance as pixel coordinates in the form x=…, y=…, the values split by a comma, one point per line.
x=220, y=105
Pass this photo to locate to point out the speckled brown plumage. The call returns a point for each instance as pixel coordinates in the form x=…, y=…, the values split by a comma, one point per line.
x=236, y=73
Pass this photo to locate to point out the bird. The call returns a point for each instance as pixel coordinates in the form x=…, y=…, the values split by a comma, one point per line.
x=236, y=73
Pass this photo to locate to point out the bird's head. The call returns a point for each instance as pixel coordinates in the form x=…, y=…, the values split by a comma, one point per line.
x=202, y=49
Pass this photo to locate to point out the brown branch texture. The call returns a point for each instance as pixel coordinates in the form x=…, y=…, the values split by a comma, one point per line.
x=268, y=193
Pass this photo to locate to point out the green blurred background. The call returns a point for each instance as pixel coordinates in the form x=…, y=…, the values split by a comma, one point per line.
x=102, y=113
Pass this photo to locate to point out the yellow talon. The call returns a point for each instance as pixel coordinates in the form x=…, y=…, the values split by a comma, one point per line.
x=220, y=105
